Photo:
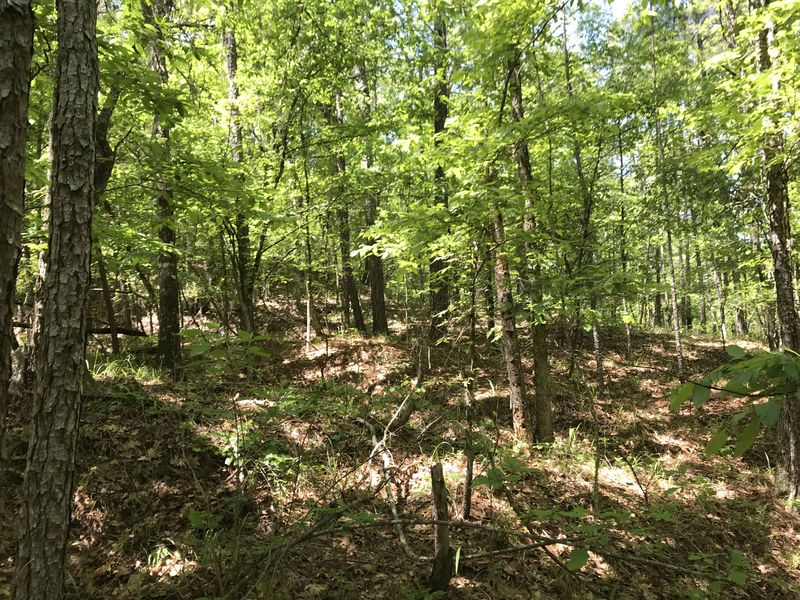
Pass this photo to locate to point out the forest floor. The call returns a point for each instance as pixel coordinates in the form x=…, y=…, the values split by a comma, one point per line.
x=256, y=475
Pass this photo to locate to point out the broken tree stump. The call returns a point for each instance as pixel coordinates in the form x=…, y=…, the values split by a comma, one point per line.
x=443, y=553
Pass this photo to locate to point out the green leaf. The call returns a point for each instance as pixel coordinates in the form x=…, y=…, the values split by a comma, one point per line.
x=746, y=437
x=716, y=442
x=701, y=393
x=199, y=348
x=680, y=395
x=258, y=351
x=735, y=352
x=768, y=412
x=457, y=560
x=738, y=568
x=577, y=559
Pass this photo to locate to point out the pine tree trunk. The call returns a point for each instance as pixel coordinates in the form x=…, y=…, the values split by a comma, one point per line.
x=60, y=323
x=16, y=43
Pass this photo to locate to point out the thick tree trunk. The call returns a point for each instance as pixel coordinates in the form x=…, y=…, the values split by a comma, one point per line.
x=532, y=281
x=439, y=282
x=60, y=325
x=16, y=48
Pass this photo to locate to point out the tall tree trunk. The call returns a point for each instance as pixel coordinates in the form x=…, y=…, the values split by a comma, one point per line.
x=169, y=322
x=623, y=247
x=660, y=166
x=16, y=48
x=108, y=300
x=780, y=245
x=723, y=329
x=541, y=364
x=374, y=262
x=676, y=316
x=520, y=415
x=701, y=284
x=60, y=324
x=658, y=311
x=440, y=289
x=241, y=253
x=105, y=158
x=585, y=248
x=688, y=317
x=350, y=298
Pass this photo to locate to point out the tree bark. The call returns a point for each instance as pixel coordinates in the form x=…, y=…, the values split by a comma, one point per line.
x=60, y=325
x=169, y=322
x=16, y=48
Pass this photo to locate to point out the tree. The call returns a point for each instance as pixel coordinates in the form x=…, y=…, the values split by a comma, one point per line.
x=169, y=307
x=60, y=325
x=16, y=48
x=440, y=293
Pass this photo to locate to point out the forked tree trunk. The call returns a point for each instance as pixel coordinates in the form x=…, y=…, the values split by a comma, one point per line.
x=60, y=323
x=16, y=43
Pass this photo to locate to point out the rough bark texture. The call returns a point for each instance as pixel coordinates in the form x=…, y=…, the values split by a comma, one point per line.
x=377, y=279
x=440, y=289
x=533, y=279
x=60, y=327
x=169, y=323
x=16, y=47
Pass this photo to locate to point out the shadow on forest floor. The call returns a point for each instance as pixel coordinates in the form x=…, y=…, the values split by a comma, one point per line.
x=259, y=478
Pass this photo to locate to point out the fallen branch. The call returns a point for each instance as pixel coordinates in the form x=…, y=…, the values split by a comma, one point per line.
x=94, y=330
